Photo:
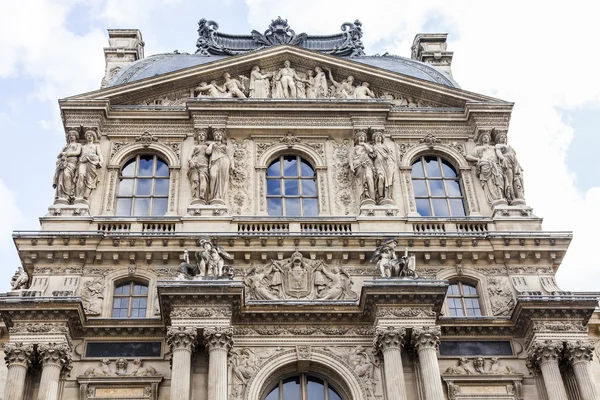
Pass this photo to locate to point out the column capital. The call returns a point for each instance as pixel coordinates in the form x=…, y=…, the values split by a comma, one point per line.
x=55, y=353
x=182, y=337
x=218, y=338
x=426, y=337
x=18, y=353
x=579, y=351
x=390, y=337
x=545, y=351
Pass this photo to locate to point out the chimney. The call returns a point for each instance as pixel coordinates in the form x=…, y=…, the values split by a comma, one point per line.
x=430, y=48
x=124, y=47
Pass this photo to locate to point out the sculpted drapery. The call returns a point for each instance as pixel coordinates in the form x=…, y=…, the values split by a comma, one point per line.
x=220, y=166
x=66, y=167
x=361, y=164
x=198, y=172
x=488, y=169
x=87, y=170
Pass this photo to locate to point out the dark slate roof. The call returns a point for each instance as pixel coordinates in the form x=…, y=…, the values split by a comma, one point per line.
x=165, y=63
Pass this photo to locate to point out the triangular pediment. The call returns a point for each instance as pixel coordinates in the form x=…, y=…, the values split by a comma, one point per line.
x=305, y=78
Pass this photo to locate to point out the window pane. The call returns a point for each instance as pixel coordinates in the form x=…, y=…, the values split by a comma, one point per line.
x=423, y=207
x=290, y=166
x=468, y=289
x=453, y=289
x=142, y=207
x=306, y=169
x=417, y=170
x=453, y=188
x=129, y=168
x=433, y=167
x=159, y=206
x=274, y=169
x=144, y=187
x=290, y=187
x=146, y=163
x=161, y=168
x=420, y=188
x=458, y=207
x=309, y=187
x=333, y=395
x=274, y=395
x=315, y=388
x=310, y=207
x=273, y=187
x=440, y=207
x=161, y=187
x=292, y=207
x=436, y=188
x=138, y=289
x=449, y=171
x=274, y=207
x=291, y=388
x=123, y=207
x=125, y=187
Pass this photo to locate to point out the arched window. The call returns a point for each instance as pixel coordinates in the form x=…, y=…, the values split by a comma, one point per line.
x=292, y=188
x=143, y=187
x=130, y=300
x=303, y=387
x=463, y=300
x=437, y=188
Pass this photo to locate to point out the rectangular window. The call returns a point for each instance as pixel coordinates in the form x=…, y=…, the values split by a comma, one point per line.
x=475, y=348
x=123, y=349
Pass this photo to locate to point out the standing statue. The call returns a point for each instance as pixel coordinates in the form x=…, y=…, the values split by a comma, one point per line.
x=363, y=92
x=343, y=89
x=286, y=82
x=211, y=259
x=513, y=174
x=385, y=169
x=311, y=85
x=234, y=87
x=219, y=167
x=259, y=84
x=321, y=89
x=66, y=170
x=198, y=172
x=211, y=88
x=19, y=279
x=360, y=158
x=87, y=169
x=488, y=169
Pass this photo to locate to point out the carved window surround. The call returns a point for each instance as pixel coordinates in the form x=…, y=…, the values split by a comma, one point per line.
x=123, y=387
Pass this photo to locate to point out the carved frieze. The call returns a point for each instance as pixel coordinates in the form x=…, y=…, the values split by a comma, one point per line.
x=405, y=313
x=204, y=312
x=480, y=365
x=303, y=330
x=38, y=328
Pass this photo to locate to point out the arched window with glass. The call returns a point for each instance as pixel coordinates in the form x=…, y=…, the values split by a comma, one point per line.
x=292, y=187
x=303, y=387
x=143, y=187
x=130, y=300
x=463, y=300
x=436, y=186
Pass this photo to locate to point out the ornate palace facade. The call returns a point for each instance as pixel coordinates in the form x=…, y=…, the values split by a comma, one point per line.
x=280, y=216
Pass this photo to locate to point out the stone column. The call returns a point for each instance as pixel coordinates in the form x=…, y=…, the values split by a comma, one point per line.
x=18, y=358
x=426, y=341
x=546, y=355
x=389, y=341
x=218, y=341
x=54, y=357
x=182, y=341
x=580, y=355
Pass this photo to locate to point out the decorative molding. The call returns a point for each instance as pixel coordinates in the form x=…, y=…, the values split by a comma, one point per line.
x=182, y=338
x=218, y=338
x=389, y=338
x=18, y=353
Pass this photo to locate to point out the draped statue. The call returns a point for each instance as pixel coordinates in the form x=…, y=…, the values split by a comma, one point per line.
x=65, y=174
x=513, y=174
x=259, y=83
x=90, y=161
x=198, y=172
x=220, y=166
x=488, y=169
x=361, y=164
x=384, y=164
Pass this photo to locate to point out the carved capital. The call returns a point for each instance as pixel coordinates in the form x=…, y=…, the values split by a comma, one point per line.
x=426, y=337
x=18, y=354
x=218, y=338
x=181, y=337
x=389, y=338
x=55, y=353
x=579, y=351
x=545, y=351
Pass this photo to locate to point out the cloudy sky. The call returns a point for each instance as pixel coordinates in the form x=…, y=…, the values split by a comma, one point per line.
x=541, y=55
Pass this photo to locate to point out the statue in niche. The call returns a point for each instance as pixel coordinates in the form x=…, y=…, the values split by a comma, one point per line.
x=285, y=82
x=513, y=174
x=210, y=262
x=488, y=169
x=220, y=166
x=343, y=89
x=211, y=88
x=198, y=172
x=321, y=89
x=65, y=174
x=388, y=263
x=89, y=163
x=363, y=92
x=19, y=280
x=385, y=169
x=234, y=87
x=259, y=83
x=360, y=159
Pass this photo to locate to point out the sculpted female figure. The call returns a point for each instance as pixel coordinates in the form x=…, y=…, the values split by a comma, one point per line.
x=321, y=84
x=220, y=166
x=198, y=169
x=384, y=164
x=259, y=84
x=361, y=164
x=514, y=190
x=488, y=171
x=87, y=170
x=66, y=167
x=311, y=88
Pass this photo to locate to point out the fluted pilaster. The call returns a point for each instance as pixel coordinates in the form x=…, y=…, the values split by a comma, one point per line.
x=580, y=355
x=55, y=358
x=546, y=356
x=426, y=341
x=218, y=341
x=18, y=358
x=389, y=342
x=182, y=341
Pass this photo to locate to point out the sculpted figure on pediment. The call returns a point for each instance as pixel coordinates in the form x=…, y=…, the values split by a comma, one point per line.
x=234, y=87
x=102, y=370
x=343, y=89
x=513, y=173
x=210, y=90
x=259, y=83
x=364, y=92
x=65, y=174
x=90, y=161
x=285, y=82
x=488, y=169
x=198, y=172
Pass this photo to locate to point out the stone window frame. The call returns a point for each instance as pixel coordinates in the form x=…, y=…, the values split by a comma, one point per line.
x=124, y=155
x=131, y=296
x=474, y=278
x=454, y=158
x=123, y=274
x=307, y=153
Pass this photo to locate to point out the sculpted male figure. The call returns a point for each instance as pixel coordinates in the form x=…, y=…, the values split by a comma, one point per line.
x=343, y=89
x=211, y=88
x=286, y=76
x=198, y=173
x=233, y=86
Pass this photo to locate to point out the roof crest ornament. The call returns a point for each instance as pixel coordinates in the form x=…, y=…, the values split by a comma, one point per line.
x=279, y=32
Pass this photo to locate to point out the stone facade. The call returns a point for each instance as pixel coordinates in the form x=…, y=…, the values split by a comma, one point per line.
x=183, y=257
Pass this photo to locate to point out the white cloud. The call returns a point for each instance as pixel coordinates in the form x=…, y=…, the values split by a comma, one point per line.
x=10, y=215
